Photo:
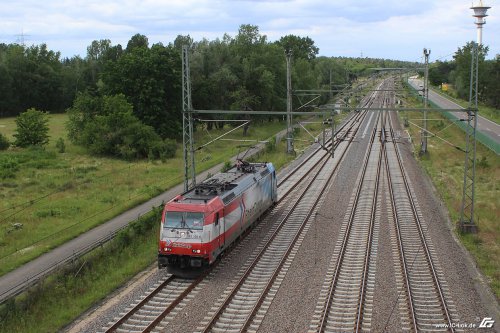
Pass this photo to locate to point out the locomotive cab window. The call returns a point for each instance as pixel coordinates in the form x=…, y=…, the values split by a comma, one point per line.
x=183, y=220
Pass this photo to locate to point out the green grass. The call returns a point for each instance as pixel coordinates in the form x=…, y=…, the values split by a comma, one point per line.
x=54, y=197
x=65, y=295
x=445, y=165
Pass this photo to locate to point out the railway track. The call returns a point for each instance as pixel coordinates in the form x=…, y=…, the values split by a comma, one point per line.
x=162, y=302
x=147, y=313
x=426, y=302
x=346, y=299
x=244, y=304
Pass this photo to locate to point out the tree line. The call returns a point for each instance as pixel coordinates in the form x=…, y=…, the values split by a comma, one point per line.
x=457, y=73
x=127, y=101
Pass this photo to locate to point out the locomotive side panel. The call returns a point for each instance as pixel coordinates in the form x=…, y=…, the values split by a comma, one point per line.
x=258, y=199
x=233, y=217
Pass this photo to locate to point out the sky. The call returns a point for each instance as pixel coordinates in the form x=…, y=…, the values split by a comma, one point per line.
x=391, y=29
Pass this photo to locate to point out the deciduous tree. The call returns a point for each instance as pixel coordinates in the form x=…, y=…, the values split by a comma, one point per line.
x=32, y=129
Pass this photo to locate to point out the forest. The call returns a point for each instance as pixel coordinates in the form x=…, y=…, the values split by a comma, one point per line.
x=126, y=101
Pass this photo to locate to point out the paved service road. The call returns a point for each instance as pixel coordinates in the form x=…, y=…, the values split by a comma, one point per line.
x=485, y=126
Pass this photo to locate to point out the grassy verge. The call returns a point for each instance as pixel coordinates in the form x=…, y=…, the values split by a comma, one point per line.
x=444, y=164
x=64, y=296
x=49, y=197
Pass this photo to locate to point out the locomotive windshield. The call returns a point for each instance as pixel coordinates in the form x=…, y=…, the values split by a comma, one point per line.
x=183, y=220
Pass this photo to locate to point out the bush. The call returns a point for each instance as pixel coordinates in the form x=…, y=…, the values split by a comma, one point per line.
x=228, y=165
x=170, y=147
x=32, y=129
x=270, y=146
x=163, y=149
x=107, y=126
x=8, y=167
x=4, y=142
x=61, y=147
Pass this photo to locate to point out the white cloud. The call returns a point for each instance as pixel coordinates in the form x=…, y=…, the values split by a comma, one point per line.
x=389, y=29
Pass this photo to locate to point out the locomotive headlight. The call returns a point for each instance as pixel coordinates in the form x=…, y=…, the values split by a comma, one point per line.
x=168, y=249
x=196, y=251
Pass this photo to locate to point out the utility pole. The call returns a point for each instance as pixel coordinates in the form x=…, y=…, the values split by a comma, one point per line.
x=423, y=148
x=289, y=129
x=187, y=123
x=467, y=223
x=331, y=92
x=333, y=132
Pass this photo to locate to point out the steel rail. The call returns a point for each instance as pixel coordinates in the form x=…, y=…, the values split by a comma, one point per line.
x=285, y=256
x=132, y=311
x=422, y=238
x=404, y=265
x=247, y=272
x=179, y=299
x=348, y=123
x=345, y=239
x=359, y=317
x=355, y=119
x=270, y=283
x=343, y=250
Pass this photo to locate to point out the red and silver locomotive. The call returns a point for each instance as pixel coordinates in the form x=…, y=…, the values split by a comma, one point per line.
x=198, y=225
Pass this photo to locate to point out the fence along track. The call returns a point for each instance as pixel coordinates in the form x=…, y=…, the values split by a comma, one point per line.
x=424, y=286
x=149, y=312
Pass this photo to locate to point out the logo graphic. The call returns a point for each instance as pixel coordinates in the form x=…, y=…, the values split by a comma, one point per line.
x=487, y=322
